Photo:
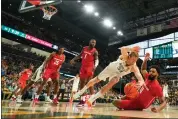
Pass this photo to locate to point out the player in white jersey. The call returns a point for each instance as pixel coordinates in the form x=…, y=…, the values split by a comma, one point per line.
x=123, y=66
x=165, y=90
x=75, y=80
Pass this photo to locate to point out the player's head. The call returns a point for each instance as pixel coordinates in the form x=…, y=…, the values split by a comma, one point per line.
x=132, y=58
x=154, y=72
x=92, y=43
x=61, y=50
x=31, y=66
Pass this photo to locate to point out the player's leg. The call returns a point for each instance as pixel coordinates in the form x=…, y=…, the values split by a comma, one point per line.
x=48, y=91
x=40, y=88
x=107, y=72
x=128, y=104
x=46, y=75
x=22, y=85
x=55, y=78
x=103, y=90
x=29, y=85
x=14, y=95
x=88, y=85
x=90, y=73
x=121, y=104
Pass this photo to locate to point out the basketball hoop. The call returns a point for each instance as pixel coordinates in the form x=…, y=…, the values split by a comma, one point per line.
x=49, y=11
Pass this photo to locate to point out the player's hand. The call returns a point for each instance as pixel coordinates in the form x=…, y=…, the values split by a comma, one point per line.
x=136, y=49
x=72, y=62
x=154, y=110
x=139, y=84
x=147, y=56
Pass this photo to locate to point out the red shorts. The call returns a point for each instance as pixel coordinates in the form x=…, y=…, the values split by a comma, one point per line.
x=130, y=105
x=86, y=72
x=22, y=83
x=50, y=73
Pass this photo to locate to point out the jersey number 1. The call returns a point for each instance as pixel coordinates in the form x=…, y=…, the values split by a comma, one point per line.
x=85, y=56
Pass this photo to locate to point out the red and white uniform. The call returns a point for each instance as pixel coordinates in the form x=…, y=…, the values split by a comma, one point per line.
x=145, y=98
x=51, y=69
x=88, y=62
x=24, y=77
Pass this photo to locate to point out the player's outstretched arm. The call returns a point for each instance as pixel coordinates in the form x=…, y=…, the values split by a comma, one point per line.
x=96, y=59
x=138, y=76
x=144, y=64
x=72, y=62
x=162, y=105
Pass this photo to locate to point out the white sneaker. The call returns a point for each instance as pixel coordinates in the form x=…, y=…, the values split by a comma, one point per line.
x=48, y=99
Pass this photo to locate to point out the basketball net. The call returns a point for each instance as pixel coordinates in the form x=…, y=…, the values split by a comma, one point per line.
x=49, y=11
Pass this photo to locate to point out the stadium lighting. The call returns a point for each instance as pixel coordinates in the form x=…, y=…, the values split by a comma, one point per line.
x=89, y=8
x=96, y=14
x=114, y=28
x=78, y=1
x=120, y=33
x=107, y=22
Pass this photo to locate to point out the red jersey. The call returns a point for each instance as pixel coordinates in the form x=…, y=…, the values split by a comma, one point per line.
x=88, y=56
x=25, y=75
x=147, y=96
x=55, y=62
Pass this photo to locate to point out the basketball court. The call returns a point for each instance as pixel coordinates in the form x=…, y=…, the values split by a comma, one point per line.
x=65, y=110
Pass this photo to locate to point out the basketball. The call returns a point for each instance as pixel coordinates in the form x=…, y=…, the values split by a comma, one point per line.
x=130, y=90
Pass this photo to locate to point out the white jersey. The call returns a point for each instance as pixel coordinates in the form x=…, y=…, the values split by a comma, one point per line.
x=165, y=90
x=37, y=74
x=75, y=84
x=117, y=68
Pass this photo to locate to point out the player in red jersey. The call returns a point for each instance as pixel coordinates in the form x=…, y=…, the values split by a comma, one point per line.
x=52, y=66
x=147, y=94
x=89, y=56
x=24, y=76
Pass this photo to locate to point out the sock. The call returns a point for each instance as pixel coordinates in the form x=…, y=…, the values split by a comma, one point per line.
x=83, y=90
x=55, y=96
x=94, y=97
x=36, y=96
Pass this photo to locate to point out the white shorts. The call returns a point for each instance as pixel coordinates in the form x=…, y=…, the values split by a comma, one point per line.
x=36, y=76
x=75, y=85
x=114, y=69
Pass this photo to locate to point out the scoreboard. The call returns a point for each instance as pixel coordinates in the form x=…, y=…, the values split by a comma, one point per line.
x=163, y=51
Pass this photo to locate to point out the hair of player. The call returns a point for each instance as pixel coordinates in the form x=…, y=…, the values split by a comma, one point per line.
x=134, y=54
x=157, y=68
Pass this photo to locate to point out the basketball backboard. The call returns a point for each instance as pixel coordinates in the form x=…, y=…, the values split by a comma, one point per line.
x=27, y=6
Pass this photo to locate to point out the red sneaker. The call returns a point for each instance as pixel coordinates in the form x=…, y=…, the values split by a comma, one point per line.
x=55, y=101
x=35, y=101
